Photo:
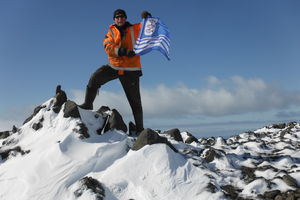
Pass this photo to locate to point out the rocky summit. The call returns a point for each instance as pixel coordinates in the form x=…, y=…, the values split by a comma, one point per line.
x=64, y=152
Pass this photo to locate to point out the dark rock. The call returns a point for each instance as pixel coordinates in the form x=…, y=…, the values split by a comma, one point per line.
x=103, y=109
x=290, y=195
x=105, y=116
x=209, y=155
x=83, y=131
x=211, y=188
x=191, y=139
x=248, y=174
x=71, y=110
x=4, y=155
x=202, y=141
x=4, y=134
x=88, y=183
x=230, y=191
x=211, y=141
x=36, y=111
x=37, y=126
x=175, y=134
x=148, y=137
x=193, y=152
x=132, y=129
x=14, y=129
x=279, y=197
x=290, y=181
x=292, y=124
x=60, y=98
x=9, y=141
x=271, y=194
x=279, y=126
x=115, y=121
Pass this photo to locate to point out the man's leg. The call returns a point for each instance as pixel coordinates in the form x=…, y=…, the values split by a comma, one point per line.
x=97, y=79
x=131, y=86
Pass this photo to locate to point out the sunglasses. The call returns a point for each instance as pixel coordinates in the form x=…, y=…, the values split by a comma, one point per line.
x=120, y=16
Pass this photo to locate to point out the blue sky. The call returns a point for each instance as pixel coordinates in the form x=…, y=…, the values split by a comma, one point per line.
x=234, y=64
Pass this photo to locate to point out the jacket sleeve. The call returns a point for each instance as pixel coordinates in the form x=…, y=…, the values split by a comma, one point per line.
x=109, y=44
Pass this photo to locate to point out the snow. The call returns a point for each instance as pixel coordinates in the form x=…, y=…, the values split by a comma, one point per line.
x=280, y=185
x=57, y=158
x=168, y=174
x=258, y=186
x=267, y=174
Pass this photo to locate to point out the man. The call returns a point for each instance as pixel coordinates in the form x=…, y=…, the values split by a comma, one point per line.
x=123, y=64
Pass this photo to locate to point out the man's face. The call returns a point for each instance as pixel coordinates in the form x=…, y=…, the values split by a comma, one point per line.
x=120, y=20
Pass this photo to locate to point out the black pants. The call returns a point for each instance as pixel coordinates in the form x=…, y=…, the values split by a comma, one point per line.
x=131, y=84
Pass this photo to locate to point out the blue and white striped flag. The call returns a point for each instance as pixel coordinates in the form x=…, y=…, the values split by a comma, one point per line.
x=154, y=35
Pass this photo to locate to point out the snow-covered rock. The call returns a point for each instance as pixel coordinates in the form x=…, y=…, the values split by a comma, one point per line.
x=57, y=156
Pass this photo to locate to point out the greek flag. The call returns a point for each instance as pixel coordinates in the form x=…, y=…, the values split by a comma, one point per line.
x=154, y=35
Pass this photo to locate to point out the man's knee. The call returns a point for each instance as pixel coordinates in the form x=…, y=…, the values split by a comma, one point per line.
x=93, y=82
x=101, y=76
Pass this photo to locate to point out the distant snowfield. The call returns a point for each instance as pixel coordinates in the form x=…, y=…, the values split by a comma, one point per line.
x=54, y=158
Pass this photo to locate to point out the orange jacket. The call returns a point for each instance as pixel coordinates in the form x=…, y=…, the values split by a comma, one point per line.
x=113, y=42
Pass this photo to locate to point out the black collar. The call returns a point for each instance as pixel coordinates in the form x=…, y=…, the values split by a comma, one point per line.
x=123, y=28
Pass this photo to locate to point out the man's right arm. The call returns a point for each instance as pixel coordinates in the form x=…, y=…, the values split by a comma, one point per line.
x=109, y=45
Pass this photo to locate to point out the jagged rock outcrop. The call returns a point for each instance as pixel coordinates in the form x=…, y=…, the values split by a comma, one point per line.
x=13, y=151
x=14, y=129
x=36, y=111
x=148, y=137
x=230, y=191
x=82, y=130
x=4, y=134
x=93, y=185
x=210, y=154
x=115, y=121
x=290, y=181
x=112, y=120
x=71, y=110
x=191, y=139
x=38, y=125
x=60, y=99
x=175, y=134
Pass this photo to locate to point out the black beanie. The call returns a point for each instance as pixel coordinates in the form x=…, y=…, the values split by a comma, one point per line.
x=119, y=12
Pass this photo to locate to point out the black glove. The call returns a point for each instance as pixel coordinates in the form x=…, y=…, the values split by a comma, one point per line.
x=145, y=14
x=130, y=53
x=125, y=52
x=122, y=51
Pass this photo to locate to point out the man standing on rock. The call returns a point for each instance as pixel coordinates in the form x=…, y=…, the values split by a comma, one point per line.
x=124, y=64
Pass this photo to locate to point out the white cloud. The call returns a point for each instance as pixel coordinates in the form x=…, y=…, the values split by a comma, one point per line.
x=234, y=96
x=212, y=80
x=184, y=105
